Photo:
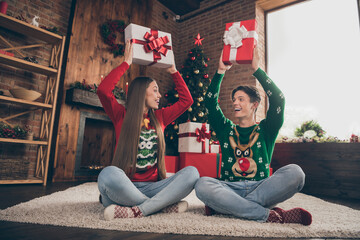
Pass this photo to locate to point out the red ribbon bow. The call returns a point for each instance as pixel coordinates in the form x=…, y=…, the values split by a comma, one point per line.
x=154, y=44
x=201, y=134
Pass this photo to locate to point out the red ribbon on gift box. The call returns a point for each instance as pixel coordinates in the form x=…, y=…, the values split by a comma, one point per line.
x=154, y=44
x=201, y=135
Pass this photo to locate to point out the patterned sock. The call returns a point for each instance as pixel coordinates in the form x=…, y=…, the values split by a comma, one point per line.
x=115, y=211
x=274, y=217
x=295, y=215
x=178, y=207
x=209, y=211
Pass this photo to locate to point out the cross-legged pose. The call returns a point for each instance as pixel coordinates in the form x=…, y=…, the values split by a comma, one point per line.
x=245, y=188
x=135, y=185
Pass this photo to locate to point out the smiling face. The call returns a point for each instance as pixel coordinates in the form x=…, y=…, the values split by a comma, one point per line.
x=243, y=107
x=152, y=97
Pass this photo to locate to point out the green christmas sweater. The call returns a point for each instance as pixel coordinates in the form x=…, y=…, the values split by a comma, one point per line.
x=246, y=152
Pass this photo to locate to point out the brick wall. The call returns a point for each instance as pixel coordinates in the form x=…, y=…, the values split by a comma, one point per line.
x=52, y=14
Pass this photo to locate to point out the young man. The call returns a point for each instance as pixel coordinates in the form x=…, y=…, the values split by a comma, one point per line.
x=245, y=188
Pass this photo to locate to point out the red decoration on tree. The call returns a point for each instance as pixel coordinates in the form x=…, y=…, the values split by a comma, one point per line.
x=198, y=40
x=206, y=76
x=205, y=65
x=193, y=58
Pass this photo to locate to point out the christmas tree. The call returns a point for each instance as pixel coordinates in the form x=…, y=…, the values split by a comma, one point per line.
x=195, y=73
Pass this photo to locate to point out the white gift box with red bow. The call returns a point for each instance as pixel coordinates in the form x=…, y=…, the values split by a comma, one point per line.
x=194, y=137
x=151, y=47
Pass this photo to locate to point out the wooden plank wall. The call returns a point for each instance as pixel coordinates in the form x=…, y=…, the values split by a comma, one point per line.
x=331, y=169
x=89, y=59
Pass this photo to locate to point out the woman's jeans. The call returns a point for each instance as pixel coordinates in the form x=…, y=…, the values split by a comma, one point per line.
x=116, y=188
x=251, y=199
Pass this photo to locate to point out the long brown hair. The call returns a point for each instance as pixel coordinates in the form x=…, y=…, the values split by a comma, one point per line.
x=127, y=145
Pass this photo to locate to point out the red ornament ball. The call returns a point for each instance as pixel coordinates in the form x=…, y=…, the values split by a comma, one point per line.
x=193, y=58
x=187, y=76
x=206, y=76
x=190, y=52
x=205, y=65
x=208, y=59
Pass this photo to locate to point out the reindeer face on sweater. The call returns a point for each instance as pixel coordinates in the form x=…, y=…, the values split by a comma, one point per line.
x=245, y=166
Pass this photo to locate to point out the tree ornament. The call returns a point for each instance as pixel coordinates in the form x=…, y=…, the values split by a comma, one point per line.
x=200, y=84
x=206, y=75
x=176, y=95
x=190, y=52
x=194, y=119
x=200, y=99
x=108, y=33
x=198, y=104
x=213, y=133
x=200, y=114
x=190, y=109
x=193, y=58
x=176, y=127
x=196, y=71
x=198, y=40
x=204, y=93
x=171, y=137
x=187, y=76
x=205, y=65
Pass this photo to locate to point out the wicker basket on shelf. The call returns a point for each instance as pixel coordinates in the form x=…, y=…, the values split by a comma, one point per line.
x=25, y=94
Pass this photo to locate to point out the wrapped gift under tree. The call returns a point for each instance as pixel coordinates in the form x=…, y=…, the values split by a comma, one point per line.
x=214, y=147
x=151, y=47
x=240, y=39
x=207, y=164
x=172, y=165
x=194, y=137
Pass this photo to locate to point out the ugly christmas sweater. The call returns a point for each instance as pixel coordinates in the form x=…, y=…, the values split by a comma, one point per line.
x=246, y=152
x=146, y=165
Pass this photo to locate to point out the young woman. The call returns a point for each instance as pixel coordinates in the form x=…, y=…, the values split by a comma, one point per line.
x=245, y=188
x=136, y=184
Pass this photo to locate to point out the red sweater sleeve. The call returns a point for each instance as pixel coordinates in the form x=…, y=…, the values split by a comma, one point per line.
x=113, y=109
x=169, y=114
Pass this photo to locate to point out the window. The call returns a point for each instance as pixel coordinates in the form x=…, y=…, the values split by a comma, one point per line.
x=313, y=56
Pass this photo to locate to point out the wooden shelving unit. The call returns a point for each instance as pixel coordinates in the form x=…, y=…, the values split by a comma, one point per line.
x=47, y=107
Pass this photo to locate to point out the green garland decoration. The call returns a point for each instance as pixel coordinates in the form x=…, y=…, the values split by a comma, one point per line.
x=108, y=33
x=310, y=125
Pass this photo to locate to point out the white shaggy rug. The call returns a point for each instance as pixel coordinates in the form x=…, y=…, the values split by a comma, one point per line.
x=79, y=207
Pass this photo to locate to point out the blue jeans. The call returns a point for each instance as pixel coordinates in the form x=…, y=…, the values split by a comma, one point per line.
x=116, y=188
x=251, y=199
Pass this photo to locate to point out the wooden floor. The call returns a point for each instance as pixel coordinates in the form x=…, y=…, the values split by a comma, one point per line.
x=13, y=194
